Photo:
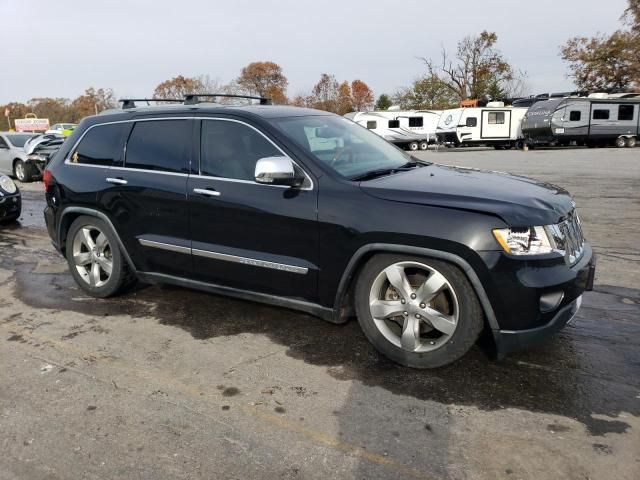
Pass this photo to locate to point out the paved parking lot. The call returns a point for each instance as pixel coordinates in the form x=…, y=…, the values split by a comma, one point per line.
x=171, y=383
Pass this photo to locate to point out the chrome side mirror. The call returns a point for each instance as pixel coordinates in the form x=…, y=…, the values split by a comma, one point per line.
x=277, y=171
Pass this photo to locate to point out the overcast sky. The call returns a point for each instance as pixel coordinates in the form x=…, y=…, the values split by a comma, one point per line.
x=59, y=48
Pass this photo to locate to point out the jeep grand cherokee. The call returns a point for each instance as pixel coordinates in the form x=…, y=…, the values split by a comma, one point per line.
x=307, y=210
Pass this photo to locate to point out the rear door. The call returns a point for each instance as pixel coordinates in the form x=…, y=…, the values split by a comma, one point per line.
x=246, y=235
x=146, y=195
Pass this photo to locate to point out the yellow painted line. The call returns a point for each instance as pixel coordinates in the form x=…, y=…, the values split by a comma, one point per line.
x=316, y=436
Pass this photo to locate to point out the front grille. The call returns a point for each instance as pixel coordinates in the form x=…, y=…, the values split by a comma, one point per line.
x=570, y=239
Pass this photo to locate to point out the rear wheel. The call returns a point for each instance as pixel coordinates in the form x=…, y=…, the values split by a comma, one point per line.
x=419, y=312
x=621, y=142
x=413, y=146
x=22, y=171
x=631, y=142
x=95, y=259
x=424, y=145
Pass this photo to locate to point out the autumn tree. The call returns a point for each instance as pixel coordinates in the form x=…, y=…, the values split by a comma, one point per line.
x=264, y=79
x=383, y=102
x=427, y=92
x=178, y=87
x=477, y=70
x=57, y=110
x=93, y=102
x=361, y=96
x=607, y=62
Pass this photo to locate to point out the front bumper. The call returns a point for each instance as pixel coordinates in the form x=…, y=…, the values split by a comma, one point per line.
x=582, y=276
x=10, y=206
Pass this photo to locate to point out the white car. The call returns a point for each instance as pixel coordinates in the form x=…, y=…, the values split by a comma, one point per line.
x=12, y=155
x=61, y=128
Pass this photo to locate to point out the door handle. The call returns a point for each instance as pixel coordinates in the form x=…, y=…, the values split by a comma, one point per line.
x=207, y=192
x=117, y=181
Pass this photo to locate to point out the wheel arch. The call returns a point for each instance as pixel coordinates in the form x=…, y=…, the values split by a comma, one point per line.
x=342, y=306
x=68, y=216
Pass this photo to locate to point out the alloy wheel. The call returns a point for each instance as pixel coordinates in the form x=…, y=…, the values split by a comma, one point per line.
x=414, y=306
x=20, y=171
x=92, y=256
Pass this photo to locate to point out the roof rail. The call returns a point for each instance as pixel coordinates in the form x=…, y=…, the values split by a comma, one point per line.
x=128, y=103
x=194, y=98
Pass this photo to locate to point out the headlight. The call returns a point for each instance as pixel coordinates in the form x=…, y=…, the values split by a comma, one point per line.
x=524, y=241
x=7, y=184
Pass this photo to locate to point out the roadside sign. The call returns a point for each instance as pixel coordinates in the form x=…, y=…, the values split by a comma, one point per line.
x=31, y=124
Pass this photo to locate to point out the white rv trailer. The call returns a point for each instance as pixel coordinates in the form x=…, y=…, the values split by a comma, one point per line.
x=410, y=129
x=494, y=124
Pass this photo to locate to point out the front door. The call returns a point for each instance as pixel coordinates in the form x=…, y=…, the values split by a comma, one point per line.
x=146, y=195
x=247, y=235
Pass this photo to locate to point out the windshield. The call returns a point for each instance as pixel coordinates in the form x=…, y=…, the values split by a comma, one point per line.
x=19, y=140
x=344, y=146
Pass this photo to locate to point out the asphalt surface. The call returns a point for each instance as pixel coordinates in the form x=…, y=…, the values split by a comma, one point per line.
x=170, y=383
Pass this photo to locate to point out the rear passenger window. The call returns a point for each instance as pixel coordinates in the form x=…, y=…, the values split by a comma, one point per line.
x=161, y=145
x=416, y=121
x=231, y=150
x=471, y=122
x=601, y=114
x=574, y=116
x=101, y=145
x=625, y=112
x=496, y=118
x=394, y=123
x=372, y=124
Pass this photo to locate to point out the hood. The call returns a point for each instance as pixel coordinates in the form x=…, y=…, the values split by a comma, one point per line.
x=519, y=201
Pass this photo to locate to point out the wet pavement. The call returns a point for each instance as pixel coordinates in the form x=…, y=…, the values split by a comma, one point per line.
x=165, y=382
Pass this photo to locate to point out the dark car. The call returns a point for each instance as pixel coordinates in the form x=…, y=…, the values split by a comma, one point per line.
x=10, y=200
x=304, y=209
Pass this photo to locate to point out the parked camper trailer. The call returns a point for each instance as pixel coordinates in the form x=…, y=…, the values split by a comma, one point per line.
x=598, y=119
x=410, y=129
x=494, y=124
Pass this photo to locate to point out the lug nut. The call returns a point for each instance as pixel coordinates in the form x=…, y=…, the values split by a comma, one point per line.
x=418, y=315
x=405, y=313
x=413, y=296
x=403, y=301
x=423, y=305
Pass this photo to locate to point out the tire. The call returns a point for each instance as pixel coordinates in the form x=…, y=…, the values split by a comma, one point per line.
x=413, y=146
x=621, y=142
x=460, y=319
x=424, y=145
x=631, y=142
x=88, y=259
x=22, y=171
x=519, y=145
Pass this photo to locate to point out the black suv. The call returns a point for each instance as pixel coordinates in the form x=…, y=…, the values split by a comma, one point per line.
x=307, y=210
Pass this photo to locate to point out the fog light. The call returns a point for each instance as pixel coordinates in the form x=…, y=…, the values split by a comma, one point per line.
x=550, y=301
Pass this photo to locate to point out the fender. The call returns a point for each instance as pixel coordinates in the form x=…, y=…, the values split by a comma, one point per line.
x=427, y=252
x=98, y=214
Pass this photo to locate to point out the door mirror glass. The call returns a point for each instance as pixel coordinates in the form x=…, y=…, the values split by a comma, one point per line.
x=277, y=171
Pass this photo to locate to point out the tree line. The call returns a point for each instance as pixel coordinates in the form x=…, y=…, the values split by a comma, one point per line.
x=475, y=70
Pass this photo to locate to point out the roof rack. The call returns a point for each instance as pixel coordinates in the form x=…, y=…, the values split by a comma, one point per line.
x=128, y=103
x=194, y=98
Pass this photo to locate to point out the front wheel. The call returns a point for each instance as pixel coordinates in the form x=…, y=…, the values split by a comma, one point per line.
x=413, y=146
x=424, y=145
x=419, y=312
x=95, y=259
x=22, y=171
x=621, y=142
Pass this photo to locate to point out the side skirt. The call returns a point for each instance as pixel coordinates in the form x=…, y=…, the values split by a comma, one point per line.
x=293, y=304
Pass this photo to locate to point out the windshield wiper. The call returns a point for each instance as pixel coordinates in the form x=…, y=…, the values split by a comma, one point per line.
x=381, y=172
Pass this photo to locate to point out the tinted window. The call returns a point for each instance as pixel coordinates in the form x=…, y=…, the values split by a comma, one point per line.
x=496, y=118
x=625, y=112
x=394, y=123
x=3, y=144
x=101, y=145
x=416, y=121
x=372, y=124
x=231, y=149
x=574, y=116
x=601, y=114
x=471, y=122
x=159, y=145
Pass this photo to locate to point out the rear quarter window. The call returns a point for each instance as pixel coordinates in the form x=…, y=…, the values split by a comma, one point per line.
x=101, y=145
